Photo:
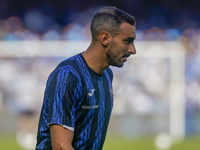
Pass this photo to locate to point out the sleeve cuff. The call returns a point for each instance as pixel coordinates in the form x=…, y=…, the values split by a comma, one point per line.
x=64, y=126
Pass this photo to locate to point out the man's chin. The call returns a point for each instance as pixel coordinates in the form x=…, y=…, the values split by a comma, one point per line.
x=118, y=65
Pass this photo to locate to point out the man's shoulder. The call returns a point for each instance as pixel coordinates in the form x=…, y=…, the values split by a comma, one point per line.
x=68, y=67
x=71, y=61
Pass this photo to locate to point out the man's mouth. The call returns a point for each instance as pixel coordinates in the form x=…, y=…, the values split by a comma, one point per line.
x=125, y=56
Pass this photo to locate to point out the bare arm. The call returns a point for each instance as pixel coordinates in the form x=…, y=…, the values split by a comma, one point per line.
x=61, y=138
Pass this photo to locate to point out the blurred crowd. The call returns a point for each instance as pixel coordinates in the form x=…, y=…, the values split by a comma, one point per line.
x=13, y=28
x=69, y=20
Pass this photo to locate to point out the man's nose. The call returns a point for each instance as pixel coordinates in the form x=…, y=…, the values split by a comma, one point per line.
x=132, y=49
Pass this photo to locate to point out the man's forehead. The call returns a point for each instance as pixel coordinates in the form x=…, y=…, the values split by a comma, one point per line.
x=128, y=30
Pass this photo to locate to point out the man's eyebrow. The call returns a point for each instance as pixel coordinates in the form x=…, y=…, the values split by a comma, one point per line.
x=130, y=38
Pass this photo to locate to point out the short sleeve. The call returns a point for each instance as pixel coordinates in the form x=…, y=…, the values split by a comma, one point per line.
x=64, y=90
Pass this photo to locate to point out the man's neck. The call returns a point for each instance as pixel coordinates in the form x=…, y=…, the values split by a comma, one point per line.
x=95, y=58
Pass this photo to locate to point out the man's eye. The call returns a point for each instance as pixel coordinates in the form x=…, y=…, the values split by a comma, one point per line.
x=127, y=41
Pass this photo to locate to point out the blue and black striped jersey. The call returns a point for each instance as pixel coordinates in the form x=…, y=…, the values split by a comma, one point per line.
x=79, y=99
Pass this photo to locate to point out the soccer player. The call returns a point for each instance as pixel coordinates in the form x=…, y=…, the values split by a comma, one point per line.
x=78, y=97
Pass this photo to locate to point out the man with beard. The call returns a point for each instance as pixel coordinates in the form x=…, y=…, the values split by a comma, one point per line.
x=78, y=97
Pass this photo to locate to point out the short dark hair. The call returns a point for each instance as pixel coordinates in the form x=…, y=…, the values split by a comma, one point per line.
x=109, y=19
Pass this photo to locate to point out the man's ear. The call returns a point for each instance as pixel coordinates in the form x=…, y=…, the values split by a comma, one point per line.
x=105, y=38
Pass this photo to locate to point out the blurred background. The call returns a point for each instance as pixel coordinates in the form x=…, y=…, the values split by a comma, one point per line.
x=156, y=93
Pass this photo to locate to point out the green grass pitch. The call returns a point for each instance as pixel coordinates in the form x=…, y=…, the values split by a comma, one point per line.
x=113, y=143
x=192, y=143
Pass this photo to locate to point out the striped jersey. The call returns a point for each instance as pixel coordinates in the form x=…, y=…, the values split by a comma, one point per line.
x=80, y=100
